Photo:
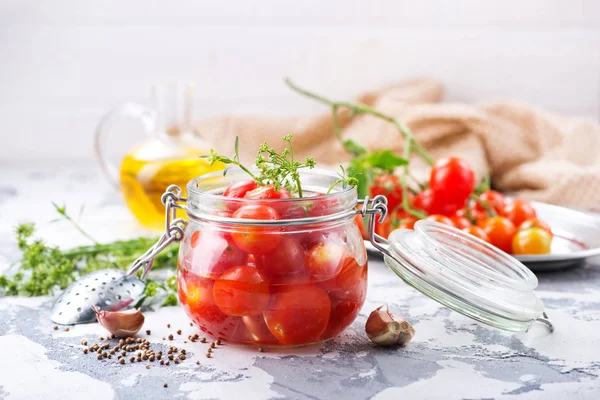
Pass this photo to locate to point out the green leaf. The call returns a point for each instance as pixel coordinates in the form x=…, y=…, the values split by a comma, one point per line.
x=385, y=159
x=354, y=148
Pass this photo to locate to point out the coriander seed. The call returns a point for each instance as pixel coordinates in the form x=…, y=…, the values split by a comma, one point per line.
x=84, y=342
x=132, y=359
x=55, y=327
x=170, y=337
x=168, y=325
x=122, y=361
x=165, y=385
x=147, y=367
x=67, y=329
x=219, y=342
x=208, y=355
x=162, y=362
x=179, y=331
x=148, y=331
x=213, y=345
x=260, y=349
x=85, y=351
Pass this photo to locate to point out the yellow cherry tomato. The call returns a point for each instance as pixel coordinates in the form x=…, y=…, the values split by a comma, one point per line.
x=532, y=241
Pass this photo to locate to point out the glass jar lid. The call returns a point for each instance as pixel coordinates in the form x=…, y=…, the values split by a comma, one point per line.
x=466, y=274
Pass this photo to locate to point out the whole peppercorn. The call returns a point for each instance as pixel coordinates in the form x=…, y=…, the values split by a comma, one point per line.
x=132, y=359
x=67, y=329
x=55, y=327
x=170, y=337
x=165, y=385
x=168, y=325
x=179, y=331
x=147, y=367
x=148, y=332
x=219, y=342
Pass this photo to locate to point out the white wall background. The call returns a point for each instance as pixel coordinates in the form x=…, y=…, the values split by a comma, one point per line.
x=63, y=63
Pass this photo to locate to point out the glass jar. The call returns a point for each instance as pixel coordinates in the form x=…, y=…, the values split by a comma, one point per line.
x=294, y=271
x=283, y=283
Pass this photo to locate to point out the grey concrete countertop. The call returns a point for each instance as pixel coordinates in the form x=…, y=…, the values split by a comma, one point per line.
x=451, y=356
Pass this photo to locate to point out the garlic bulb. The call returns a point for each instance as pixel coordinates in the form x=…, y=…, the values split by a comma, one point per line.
x=386, y=329
x=121, y=323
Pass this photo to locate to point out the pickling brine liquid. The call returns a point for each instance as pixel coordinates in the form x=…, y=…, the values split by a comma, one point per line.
x=144, y=179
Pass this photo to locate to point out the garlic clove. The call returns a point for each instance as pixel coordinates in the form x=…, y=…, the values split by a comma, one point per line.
x=385, y=329
x=121, y=323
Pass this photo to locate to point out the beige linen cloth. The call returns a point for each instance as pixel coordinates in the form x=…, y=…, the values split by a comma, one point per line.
x=528, y=151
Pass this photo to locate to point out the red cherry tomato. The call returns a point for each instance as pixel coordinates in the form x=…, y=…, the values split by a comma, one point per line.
x=324, y=260
x=433, y=203
x=241, y=291
x=259, y=332
x=196, y=297
x=518, y=211
x=348, y=276
x=239, y=189
x=536, y=223
x=425, y=201
x=256, y=239
x=389, y=186
x=298, y=314
x=500, y=231
x=284, y=263
x=452, y=179
x=268, y=192
x=442, y=219
x=460, y=222
x=492, y=199
x=532, y=241
x=212, y=252
x=477, y=232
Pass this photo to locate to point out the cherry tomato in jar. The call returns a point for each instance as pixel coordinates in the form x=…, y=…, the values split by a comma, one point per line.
x=324, y=260
x=258, y=330
x=461, y=222
x=491, y=199
x=239, y=189
x=532, y=241
x=212, y=252
x=241, y=291
x=536, y=223
x=389, y=186
x=268, y=192
x=452, y=179
x=256, y=239
x=477, y=232
x=298, y=314
x=518, y=211
x=348, y=276
x=196, y=297
x=442, y=219
x=500, y=231
x=285, y=263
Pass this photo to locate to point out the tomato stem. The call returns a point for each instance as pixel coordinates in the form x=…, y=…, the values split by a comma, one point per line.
x=364, y=109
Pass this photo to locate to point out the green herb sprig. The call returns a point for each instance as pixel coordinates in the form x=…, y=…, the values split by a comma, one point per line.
x=278, y=169
x=44, y=270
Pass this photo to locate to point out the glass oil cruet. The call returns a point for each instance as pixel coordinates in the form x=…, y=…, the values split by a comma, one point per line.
x=169, y=152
